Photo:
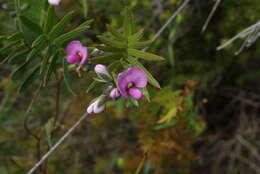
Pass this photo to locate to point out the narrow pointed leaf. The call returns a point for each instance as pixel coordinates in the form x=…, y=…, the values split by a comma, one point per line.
x=150, y=77
x=139, y=44
x=144, y=55
x=110, y=49
x=21, y=70
x=59, y=27
x=15, y=36
x=38, y=41
x=19, y=58
x=31, y=25
x=66, y=77
x=51, y=68
x=86, y=23
x=30, y=79
x=91, y=86
x=69, y=36
x=49, y=22
x=137, y=36
x=115, y=33
x=128, y=23
x=107, y=58
x=113, y=43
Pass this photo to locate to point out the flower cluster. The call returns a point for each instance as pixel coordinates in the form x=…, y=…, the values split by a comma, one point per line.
x=128, y=83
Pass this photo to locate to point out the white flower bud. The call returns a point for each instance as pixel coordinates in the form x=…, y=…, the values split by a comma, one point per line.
x=54, y=2
x=102, y=71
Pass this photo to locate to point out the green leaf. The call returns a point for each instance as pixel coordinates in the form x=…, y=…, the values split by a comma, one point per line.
x=115, y=33
x=107, y=58
x=15, y=36
x=59, y=27
x=38, y=41
x=21, y=70
x=49, y=22
x=86, y=23
x=66, y=77
x=31, y=25
x=37, y=48
x=150, y=77
x=48, y=130
x=69, y=36
x=144, y=55
x=12, y=53
x=91, y=86
x=8, y=47
x=137, y=36
x=139, y=44
x=30, y=79
x=19, y=57
x=128, y=23
x=113, y=43
x=51, y=68
x=110, y=49
x=84, y=6
x=166, y=125
x=146, y=94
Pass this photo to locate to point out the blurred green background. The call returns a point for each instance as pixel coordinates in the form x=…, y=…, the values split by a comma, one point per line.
x=215, y=128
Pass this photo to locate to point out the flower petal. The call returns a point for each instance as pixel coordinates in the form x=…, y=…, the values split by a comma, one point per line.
x=133, y=75
x=90, y=109
x=135, y=93
x=98, y=109
x=84, y=52
x=71, y=59
x=73, y=47
x=138, y=77
x=114, y=94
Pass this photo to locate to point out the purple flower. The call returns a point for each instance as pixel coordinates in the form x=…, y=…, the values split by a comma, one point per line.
x=94, y=108
x=76, y=53
x=129, y=82
x=114, y=94
x=54, y=2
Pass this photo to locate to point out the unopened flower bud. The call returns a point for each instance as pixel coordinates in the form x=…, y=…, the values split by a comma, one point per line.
x=95, y=107
x=102, y=71
x=114, y=94
x=54, y=2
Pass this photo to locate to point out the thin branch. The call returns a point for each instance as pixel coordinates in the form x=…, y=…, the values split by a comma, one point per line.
x=185, y=3
x=251, y=148
x=210, y=16
x=53, y=148
x=247, y=162
x=252, y=33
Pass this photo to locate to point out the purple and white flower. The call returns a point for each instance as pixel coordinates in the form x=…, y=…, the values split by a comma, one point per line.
x=76, y=53
x=130, y=81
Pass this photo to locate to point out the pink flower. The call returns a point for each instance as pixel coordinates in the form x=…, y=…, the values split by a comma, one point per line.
x=76, y=53
x=114, y=94
x=54, y=2
x=130, y=81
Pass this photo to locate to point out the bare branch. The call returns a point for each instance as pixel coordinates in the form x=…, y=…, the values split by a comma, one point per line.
x=251, y=148
x=210, y=15
x=185, y=3
x=251, y=34
x=53, y=148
